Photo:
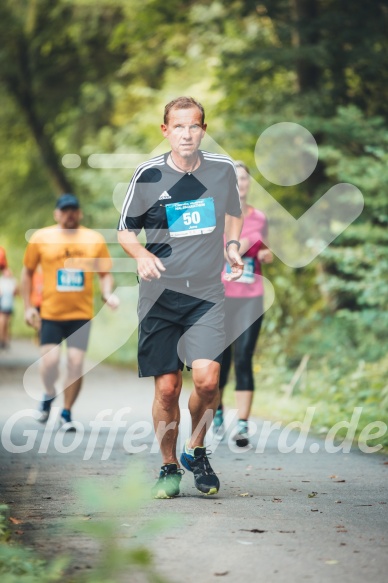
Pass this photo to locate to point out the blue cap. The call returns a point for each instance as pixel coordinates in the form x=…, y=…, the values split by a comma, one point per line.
x=67, y=200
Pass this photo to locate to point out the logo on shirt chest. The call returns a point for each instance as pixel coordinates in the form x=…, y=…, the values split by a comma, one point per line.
x=164, y=196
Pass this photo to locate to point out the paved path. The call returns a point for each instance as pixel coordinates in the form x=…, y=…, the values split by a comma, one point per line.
x=321, y=517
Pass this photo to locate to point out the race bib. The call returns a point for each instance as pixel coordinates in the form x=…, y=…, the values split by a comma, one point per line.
x=70, y=280
x=192, y=217
x=248, y=275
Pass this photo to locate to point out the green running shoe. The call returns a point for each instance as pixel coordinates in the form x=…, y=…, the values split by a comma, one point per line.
x=167, y=485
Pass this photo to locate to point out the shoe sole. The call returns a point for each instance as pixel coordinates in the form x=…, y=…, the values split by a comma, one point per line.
x=162, y=495
x=66, y=427
x=242, y=442
x=211, y=491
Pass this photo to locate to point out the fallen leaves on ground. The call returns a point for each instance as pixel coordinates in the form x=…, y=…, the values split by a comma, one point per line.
x=312, y=495
x=255, y=530
x=15, y=520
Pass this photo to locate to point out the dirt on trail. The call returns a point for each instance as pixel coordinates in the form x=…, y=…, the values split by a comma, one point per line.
x=279, y=517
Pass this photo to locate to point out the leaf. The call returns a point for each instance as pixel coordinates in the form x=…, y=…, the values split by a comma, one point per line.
x=331, y=562
x=221, y=574
x=255, y=530
x=339, y=481
x=245, y=494
x=313, y=494
x=15, y=520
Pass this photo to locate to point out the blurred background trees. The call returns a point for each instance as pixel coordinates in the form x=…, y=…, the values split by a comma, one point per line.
x=84, y=77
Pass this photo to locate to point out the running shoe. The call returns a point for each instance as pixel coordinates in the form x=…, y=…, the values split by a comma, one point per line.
x=218, y=425
x=167, y=485
x=65, y=422
x=242, y=436
x=45, y=408
x=205, y=479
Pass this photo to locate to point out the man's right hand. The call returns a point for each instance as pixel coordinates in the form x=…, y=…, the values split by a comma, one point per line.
x=149, y=267
x=32, y=318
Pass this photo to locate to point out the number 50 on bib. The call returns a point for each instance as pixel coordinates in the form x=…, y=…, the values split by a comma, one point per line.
x=192, y=217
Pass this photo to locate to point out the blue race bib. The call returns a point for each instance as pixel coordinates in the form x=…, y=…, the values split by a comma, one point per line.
x=70, y=280
x=192, y=217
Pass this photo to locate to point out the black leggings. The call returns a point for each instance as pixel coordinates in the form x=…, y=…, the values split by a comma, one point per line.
x=237, y=312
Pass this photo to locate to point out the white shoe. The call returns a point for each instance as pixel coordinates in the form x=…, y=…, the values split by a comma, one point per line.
x=66, y=426
x=218, y=426
x=45, y=409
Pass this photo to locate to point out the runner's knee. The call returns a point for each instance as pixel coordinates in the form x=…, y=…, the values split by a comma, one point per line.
x=167, y=391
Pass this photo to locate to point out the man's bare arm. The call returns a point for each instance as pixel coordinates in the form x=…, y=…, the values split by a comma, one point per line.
x=148, y=265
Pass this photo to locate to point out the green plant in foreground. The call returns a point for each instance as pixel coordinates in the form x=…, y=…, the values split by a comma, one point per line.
x=20, y=565
x=114, y=524
x=109, y=505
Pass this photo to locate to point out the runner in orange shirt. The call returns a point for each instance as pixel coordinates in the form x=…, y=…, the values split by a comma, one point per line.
x=67, y=302
x=3, y=259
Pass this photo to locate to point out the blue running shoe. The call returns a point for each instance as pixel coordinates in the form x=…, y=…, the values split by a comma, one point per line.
x=45, y=408
x=65, y=422
x=205, y=479
x=167, y=485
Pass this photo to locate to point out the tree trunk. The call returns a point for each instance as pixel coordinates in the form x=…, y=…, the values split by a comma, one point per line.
x=304, y=36
x=21, y=88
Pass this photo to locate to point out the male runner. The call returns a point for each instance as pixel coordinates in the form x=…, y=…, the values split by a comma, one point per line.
x=185, y=200
x=67, y=303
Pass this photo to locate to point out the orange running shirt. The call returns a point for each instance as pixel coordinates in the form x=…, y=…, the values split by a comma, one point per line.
x=3, y=258
x=69, y=259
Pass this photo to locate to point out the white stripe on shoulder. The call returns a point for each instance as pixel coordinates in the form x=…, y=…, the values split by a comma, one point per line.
x=157, y=161
x=217, y=158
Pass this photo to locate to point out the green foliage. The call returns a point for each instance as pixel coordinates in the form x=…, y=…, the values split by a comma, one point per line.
x=88, y=76
x=20, y=565
x=4, y=532
x=123, y=546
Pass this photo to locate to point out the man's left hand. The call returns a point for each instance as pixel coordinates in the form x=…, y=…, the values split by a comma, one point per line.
x=236, y=264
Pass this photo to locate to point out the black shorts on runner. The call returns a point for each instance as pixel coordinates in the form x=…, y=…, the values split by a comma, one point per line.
x=176, y=328
x=76, y=332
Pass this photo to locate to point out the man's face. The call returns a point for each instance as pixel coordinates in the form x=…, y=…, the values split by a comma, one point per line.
x=184, y=130
x=68, y=217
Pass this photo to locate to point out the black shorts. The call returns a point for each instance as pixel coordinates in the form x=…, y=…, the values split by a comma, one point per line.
x=177, y=328
x=76, y=332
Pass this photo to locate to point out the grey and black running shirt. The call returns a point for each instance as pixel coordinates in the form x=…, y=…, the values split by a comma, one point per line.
x=183, y=215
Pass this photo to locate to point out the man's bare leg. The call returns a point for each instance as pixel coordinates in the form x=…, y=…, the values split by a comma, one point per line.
x=204, y=399
x=166, y=412
x=73, y=382
x=49, y=367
